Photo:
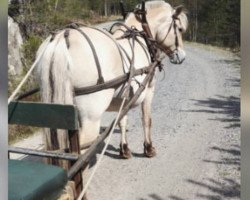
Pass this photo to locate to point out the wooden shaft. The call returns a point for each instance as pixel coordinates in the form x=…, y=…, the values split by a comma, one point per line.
x=74, y=147
x=40, y=153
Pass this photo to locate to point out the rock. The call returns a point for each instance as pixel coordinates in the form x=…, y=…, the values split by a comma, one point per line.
x=15, y=42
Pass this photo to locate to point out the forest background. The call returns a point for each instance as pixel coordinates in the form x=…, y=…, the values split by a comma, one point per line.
x=214, y=22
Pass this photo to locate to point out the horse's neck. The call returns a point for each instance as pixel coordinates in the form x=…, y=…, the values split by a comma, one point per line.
x=140, y=50
x=129, y=22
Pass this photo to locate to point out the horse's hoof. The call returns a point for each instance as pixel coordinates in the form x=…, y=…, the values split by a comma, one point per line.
x=125, y=151
x=149, y=150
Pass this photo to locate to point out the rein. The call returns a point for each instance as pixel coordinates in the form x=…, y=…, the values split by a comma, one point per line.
x=76, y=27
x=131, y=35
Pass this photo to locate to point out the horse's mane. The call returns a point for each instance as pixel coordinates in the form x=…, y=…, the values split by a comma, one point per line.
x=184, y=20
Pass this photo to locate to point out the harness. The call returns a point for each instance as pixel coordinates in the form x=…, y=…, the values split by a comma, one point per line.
x=97, y=62
x=129, y=33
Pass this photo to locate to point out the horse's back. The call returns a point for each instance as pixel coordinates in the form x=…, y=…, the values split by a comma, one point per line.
x=84, y=70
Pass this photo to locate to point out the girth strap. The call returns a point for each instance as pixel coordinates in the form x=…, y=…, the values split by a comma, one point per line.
x=101, y=79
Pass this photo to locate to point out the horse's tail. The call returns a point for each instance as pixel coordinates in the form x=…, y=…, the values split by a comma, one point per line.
x=53, y=70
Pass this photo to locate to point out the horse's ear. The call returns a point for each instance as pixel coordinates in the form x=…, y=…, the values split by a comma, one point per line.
x=178, y=11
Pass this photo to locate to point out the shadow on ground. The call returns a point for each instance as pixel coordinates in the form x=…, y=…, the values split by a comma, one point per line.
x=236, y=62
x=152, y=197
x=228, y=107
x=157, y=197
x=114, y=152
x=229, y=156
x=234, y=82
x=220, y=190
x=224, y=187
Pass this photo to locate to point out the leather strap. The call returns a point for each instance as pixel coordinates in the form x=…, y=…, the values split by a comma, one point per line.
x=100, y=79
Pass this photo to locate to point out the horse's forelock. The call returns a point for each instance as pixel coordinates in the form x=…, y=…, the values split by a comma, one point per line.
x=184, y=20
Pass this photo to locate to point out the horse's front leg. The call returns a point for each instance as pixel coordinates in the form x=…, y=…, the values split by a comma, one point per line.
x=124, y=150
x=149, y=150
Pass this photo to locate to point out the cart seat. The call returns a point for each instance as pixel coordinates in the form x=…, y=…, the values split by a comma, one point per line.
x=34, y=181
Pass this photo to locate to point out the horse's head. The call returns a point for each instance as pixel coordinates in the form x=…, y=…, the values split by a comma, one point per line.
x=167, y=25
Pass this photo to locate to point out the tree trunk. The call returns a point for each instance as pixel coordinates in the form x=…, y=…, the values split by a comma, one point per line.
x=105, y=8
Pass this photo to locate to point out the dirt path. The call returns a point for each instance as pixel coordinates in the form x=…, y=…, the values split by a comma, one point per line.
x=196, y=120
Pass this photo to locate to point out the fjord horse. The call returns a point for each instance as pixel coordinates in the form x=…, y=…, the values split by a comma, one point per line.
x=68, y=61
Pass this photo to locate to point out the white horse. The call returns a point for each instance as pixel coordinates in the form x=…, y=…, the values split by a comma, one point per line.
x=68, y=62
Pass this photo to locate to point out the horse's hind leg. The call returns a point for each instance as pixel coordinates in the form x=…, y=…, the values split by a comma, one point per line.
x=89, y=131
x=149, y=150
x=124, y=150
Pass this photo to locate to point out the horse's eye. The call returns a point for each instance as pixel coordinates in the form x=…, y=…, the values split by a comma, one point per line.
x=180, y=29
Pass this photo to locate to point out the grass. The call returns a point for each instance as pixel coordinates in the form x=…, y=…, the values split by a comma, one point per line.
x=29, y=50
x=19, y=132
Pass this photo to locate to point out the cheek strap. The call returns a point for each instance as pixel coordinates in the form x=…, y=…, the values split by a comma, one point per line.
x=174, y=25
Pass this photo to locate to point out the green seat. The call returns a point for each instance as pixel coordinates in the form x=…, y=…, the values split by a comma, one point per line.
x=35, y=181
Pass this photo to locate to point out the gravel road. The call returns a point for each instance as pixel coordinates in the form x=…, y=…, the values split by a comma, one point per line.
x=196, y=132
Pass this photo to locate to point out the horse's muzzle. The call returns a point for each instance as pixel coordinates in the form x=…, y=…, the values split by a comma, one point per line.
x=177, y=57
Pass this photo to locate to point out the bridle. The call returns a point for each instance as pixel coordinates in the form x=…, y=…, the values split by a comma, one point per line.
x=140, y=15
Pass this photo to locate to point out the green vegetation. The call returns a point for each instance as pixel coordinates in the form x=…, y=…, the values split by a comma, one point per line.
x=214, y=22
x=29, y=48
